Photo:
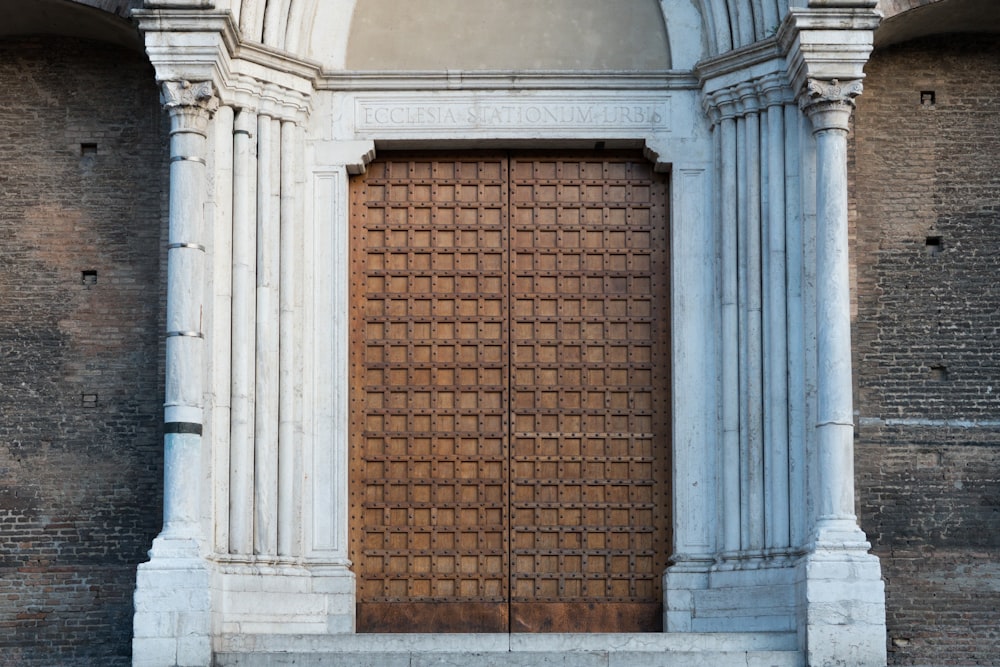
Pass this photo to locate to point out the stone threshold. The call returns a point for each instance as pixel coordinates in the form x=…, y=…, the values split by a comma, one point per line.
x=757, y=649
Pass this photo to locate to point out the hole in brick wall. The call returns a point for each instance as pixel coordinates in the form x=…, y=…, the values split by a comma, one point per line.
x=933, y=245
x=87, y=150
x=927, y=98
x=939, y=373
x=88, y=400
x=88, y=278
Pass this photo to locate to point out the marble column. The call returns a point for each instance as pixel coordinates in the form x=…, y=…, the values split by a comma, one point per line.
x=191, y=106
x=172, y=622
x=828, y=105
x=841, y=593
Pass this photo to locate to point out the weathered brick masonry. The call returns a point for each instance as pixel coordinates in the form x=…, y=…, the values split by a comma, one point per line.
x=926, y=193
x=82, y=206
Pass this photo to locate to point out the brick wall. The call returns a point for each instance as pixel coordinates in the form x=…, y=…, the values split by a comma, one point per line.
x=82, y=206
x=926, y=201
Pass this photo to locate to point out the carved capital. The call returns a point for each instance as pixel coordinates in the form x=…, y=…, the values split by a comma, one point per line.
x=829, y=103
x=820, y=91
x=179, y=94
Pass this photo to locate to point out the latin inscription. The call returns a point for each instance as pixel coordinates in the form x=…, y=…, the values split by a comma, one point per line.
x=457, y=116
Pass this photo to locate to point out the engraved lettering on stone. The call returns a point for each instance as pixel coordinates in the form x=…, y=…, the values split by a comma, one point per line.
x=485, y=115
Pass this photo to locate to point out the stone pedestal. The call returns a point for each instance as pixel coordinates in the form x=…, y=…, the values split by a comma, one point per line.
x=172, y=623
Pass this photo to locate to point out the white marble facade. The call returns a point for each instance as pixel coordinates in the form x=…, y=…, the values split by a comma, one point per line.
x=749, y=116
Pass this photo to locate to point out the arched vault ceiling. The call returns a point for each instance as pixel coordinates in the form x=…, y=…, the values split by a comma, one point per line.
x=102, y=20
x=910, y=19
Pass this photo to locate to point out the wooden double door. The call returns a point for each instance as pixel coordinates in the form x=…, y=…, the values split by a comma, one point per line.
x=510, y=454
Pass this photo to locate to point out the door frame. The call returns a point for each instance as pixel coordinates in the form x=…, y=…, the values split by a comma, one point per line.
x=542, y=613
x=675, y=140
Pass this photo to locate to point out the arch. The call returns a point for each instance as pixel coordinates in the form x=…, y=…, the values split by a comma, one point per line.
x=289, y=25
x=732, y=24
x=87, y=19
x=910, y=19
x=689, y=41
x=515, y=35
x=280, y=24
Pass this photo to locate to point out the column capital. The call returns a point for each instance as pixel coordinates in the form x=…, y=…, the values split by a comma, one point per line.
x=185, y=95
x=829, y=103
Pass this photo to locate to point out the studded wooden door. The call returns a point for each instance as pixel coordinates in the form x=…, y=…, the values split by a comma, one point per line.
x=509, y=393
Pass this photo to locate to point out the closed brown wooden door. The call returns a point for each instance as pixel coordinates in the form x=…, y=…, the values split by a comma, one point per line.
x=509, y=393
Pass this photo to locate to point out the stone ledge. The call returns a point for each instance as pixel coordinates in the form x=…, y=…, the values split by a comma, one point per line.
x=609, y=658
x=495, y=644
x=758, y=649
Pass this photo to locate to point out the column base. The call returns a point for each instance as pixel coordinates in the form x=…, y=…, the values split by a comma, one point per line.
x=172, y=622
x=743, y=592
x=841, y=607
x=261, y=598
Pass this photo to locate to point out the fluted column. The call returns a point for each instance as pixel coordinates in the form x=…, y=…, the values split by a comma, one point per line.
x=191, y=106
x=828, y=104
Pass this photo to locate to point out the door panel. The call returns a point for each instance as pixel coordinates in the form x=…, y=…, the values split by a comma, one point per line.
x=429, y=464
x=509, y=405
x=589, y=307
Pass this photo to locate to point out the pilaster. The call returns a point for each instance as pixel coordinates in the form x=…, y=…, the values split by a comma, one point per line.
x=747, y=582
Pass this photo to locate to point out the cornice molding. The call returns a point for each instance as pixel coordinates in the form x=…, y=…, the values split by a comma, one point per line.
x=739, y=60
x=753, y=96
x=370, y=81
x=828, y=41
x=186, y=44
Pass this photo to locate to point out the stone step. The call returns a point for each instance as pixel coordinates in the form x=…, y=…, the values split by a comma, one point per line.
x=515, y=659
x=667, y=650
